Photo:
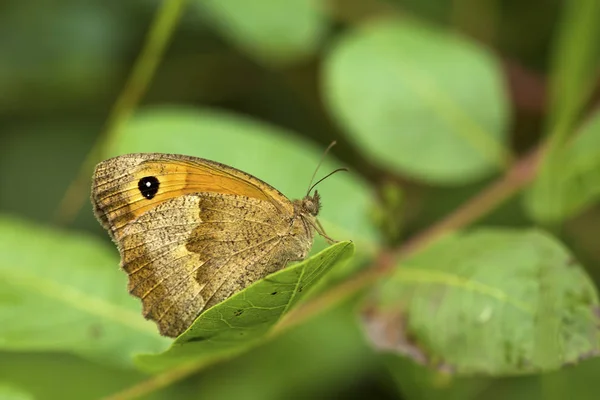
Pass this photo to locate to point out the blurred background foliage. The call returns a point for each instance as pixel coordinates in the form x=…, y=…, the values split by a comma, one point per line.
x=431, y=101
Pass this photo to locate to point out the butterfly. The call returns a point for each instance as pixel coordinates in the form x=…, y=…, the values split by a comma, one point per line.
x=191, y=232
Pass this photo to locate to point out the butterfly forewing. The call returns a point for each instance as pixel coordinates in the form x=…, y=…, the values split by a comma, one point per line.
x=118, y=199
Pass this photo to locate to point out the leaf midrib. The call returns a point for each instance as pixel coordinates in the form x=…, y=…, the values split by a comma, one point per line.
x=423, y=275
x=466, y=127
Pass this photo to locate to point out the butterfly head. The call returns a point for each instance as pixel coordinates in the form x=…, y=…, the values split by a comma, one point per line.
x=311, y=204
x=308, y=208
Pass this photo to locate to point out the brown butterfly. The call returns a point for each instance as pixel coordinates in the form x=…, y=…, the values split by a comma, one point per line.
x=192, y=232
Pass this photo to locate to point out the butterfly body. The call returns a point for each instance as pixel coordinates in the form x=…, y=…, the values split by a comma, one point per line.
x=191, y=232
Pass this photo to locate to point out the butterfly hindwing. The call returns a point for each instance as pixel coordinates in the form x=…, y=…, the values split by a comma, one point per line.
x=194, y=251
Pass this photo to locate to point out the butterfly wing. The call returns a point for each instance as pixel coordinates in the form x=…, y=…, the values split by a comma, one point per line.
x=118, y=200
x=207, y=231
x=196, y=250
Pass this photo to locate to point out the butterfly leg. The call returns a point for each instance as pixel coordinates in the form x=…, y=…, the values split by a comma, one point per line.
x=321, y=231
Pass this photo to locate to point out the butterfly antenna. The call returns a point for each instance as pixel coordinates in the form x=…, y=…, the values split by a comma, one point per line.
x=327, y=176
x=310, y=185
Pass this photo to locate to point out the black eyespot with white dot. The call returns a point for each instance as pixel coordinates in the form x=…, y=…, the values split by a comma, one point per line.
x=148, y=186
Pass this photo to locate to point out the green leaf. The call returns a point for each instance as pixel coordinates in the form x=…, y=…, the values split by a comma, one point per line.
x=575, y=182
x=278, y=32
x=577, y=175
x=577, y=382
x=498, y=302
x=41, y=376
x=243, y=320
x=269, y=153
x=575, y=62
x=576, y=59
x=9, y=392
x=62, y=291
x=425, y=102
x=322, y=356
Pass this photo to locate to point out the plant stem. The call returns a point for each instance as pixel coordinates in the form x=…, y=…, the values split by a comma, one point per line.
x=519, y=175
x=156, y=382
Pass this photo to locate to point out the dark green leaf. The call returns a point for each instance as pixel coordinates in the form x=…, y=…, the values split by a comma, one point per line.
x=425, y=102
x=489, y=302
x=578, y=382
x=575, y=62
x=82, y=67
x=242, y=321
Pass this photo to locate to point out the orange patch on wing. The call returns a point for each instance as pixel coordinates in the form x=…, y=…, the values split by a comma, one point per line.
x=179, y=178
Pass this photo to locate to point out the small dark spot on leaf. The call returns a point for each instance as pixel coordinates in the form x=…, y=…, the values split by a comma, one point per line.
x=95, y=331
x=274, y=293
x=300, y=289
x=237, y=313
